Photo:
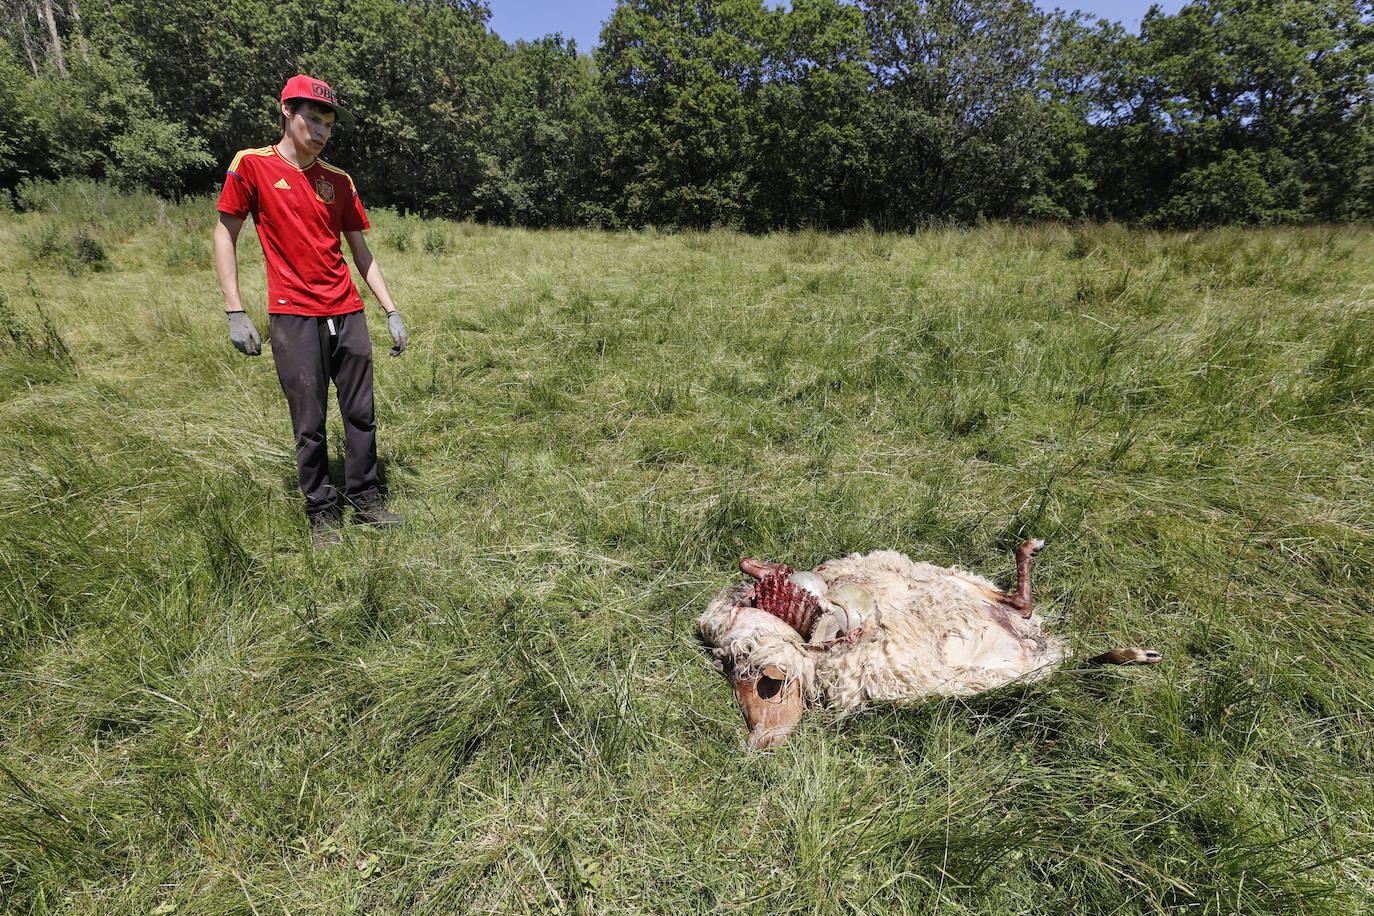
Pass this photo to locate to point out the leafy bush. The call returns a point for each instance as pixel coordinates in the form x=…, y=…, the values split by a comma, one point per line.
x=74, y=251
x=21, y=149
x=399, y=235
x=437, y=239
x=157, y=155
x=1237, y=189
x=82, y=111
x=89, y=203
x=87, y=252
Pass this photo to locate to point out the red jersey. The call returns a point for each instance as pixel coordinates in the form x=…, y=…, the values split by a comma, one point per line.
x=298, y=214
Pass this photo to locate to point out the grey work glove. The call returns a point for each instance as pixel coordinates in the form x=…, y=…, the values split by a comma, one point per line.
x=399, y=337
x=243, y=335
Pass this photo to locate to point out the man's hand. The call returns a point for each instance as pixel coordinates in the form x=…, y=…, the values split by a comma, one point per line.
x=243, y=335
x=398, y=333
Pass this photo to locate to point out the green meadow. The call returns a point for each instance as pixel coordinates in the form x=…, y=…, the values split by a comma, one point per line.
x=503, y=707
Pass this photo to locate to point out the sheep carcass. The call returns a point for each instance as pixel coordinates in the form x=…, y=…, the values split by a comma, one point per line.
x=875, y=626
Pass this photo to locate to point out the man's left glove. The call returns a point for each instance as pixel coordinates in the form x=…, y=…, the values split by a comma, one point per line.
x=243, y=335
x=398, y=333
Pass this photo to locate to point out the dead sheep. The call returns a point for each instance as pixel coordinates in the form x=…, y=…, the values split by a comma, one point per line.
x=876, y=626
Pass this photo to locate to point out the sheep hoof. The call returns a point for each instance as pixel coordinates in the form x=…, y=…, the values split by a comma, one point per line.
x=760, y=568
x=1132, y=655
x=1025, y=552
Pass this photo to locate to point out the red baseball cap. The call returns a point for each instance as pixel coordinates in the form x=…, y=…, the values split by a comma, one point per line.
x=301, y=86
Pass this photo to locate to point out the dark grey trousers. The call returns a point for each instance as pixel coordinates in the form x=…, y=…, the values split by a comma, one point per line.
x=308, y=354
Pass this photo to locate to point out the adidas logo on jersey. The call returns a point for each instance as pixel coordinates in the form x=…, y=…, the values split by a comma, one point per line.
x=281, y=183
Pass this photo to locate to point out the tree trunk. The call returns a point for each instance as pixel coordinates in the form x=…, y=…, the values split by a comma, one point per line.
x=21, y=21
x=56, y=38
x=74, y=11
x=28, y=50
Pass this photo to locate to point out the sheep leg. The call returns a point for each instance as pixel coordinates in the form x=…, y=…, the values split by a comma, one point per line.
x=1128, y=656
x=760, y=568
x=1021, y=600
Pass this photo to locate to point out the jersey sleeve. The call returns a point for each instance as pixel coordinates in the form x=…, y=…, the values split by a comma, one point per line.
x=238, y=197
x=354, y=217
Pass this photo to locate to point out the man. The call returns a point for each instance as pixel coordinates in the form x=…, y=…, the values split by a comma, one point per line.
x=300, y=206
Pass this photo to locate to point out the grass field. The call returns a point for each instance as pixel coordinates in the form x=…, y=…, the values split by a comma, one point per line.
x=502, y=708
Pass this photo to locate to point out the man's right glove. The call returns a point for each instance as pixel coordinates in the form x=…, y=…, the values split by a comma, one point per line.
x=243, y=335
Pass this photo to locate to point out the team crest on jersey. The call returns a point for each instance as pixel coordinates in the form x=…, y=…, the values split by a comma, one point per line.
x=324, y=190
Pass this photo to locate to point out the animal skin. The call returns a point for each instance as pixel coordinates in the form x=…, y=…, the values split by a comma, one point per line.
x=876, y=626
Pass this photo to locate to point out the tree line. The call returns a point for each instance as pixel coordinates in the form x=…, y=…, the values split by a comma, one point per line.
x=699, y=113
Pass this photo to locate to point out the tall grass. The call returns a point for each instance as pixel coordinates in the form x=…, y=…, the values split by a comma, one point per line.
x=502, y=708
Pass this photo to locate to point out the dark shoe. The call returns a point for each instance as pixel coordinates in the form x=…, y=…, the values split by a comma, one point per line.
x=371, y=510
x=326, y=530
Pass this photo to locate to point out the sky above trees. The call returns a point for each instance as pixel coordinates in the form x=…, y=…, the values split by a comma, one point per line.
x=581, y=20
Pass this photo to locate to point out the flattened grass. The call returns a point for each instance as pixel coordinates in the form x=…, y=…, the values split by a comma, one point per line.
x=501, y=708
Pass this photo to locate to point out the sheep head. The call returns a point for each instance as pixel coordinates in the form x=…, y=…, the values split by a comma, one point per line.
x=762, y=657
x=765, y=635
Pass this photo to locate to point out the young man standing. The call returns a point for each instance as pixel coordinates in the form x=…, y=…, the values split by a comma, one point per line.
x=300, y=206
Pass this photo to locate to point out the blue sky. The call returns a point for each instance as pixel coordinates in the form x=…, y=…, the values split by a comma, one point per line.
x=581, y=19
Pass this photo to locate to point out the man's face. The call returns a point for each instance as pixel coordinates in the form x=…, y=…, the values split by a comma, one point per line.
x=310, y=127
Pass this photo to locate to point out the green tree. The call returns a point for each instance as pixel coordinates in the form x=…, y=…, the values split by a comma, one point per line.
x=157, y=154
x=192, y=58
x=814, y=165
x=959, y=128
x=541, y=155
x=413, y=71
x=1271, y=91
x=419, y=74
x=681, y=84
x=21, y=150
x=98, y=119
x=1075, y=92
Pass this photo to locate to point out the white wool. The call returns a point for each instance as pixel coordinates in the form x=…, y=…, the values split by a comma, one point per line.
x=753, y=640
x=934, y=632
